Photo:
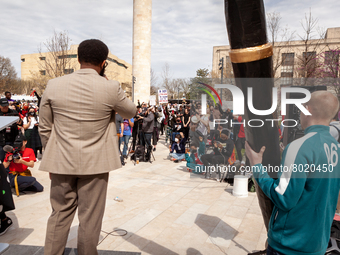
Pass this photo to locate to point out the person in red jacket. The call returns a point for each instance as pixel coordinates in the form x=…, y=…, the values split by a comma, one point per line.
x=19, y=175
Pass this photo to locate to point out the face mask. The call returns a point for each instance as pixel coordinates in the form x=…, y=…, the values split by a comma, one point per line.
x=176, y=140
x=32, y=113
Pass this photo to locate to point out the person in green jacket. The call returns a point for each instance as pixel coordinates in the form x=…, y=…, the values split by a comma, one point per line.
x=305, y=194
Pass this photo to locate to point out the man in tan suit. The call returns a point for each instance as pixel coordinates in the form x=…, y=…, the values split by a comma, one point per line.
x=78, y=132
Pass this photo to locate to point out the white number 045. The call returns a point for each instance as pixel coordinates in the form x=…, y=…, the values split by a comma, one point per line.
x=332, y=154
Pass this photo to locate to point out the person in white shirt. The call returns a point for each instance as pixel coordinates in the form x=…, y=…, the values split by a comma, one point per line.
x=30, y=124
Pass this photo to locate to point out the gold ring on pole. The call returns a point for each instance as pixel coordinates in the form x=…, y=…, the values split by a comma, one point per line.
x=251, y=54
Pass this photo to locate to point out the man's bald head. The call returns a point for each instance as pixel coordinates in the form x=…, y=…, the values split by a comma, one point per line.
x=323, y=105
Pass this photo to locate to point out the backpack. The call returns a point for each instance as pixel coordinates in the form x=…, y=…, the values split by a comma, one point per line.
x=139, y=153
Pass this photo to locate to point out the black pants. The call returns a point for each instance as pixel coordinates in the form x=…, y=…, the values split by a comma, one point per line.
x=28, y=183
x=147, y=140
x=186, y=132
x=162, y=128
x=213, y=160
x=155, y=136
x=134, y=136
x=2, y=154
x=2, y=215
x=240, y=144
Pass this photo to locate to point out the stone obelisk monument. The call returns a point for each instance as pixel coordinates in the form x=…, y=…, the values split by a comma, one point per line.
x=141, y=55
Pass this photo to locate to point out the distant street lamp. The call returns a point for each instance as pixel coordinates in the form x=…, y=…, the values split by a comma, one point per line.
x=133, y=88
x=221, y=68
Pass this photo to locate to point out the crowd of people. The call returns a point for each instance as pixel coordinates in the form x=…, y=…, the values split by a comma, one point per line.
x=19, y=146
x=304, y=202
x=190, y=135
x=24, y=137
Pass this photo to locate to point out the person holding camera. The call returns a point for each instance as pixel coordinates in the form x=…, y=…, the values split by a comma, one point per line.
x=137, y=127
x=147, y=127
x=18, y=161
x=30, y=125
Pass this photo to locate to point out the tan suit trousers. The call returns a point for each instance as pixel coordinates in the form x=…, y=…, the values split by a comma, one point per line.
x=69, y=192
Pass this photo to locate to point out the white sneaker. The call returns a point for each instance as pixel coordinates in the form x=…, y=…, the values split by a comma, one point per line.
x=218, y=180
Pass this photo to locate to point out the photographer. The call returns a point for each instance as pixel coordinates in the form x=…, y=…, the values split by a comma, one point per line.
x=137, y=127
x=18, y=162
x=147, y=128
x=8, y=134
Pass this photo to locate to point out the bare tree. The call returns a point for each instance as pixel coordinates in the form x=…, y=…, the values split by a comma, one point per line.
x=307, y=63
x=167, y=81
x=280, y=37
x=56, y=61
x=185, y=87
x=153, y=83
x=8, y=75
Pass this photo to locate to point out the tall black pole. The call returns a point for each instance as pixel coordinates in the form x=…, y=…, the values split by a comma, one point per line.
x=251, y=57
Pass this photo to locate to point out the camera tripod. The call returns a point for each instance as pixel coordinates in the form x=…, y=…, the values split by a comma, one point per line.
x=147, y=146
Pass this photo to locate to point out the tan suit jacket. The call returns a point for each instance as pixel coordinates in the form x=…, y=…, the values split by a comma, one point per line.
x=77, y=123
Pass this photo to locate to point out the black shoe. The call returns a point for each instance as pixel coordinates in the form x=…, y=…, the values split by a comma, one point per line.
x=176, y=161
x=154, y=149
x=5, y=225
x=264, y=252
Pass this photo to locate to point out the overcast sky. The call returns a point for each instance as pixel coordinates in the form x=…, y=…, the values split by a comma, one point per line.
x=183, y=31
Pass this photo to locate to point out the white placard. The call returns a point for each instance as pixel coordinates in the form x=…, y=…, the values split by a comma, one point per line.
x=152, y=100
x=162, y=96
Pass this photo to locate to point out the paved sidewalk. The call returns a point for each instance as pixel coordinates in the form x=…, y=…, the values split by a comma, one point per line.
x=166, y=210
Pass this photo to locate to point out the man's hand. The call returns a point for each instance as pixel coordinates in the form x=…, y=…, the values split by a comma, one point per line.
x=18, y=161
x=121, y=135
x=10, y=158
x=254, y=158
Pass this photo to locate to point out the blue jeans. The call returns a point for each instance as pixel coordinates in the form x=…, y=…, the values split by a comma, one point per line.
x=271, y=251
x=178, y=156
x=125, y=139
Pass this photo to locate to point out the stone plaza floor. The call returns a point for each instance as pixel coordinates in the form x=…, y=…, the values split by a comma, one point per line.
x=166, y=210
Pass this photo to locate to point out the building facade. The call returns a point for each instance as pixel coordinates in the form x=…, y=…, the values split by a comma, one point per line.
x=47, y=65
x=317, y=58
